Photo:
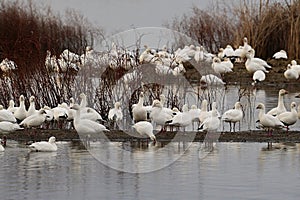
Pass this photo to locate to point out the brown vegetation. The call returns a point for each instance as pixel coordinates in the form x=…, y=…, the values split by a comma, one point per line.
x=269, y=26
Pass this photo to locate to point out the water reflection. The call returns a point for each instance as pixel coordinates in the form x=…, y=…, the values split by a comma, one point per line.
x=230, y=171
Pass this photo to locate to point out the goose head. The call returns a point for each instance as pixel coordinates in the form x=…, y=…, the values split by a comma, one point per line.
x=52, y=139
x=260, y=106
x=282, y=92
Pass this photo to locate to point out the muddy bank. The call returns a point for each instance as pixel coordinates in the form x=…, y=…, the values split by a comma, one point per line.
x=120, y=136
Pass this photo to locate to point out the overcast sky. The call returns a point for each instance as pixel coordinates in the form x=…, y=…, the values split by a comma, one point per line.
x=117, y=15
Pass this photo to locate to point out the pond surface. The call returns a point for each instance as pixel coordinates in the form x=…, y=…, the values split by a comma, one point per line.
x=230, y=171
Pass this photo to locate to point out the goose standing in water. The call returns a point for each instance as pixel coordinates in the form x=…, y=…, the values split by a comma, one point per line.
x=289, y=118
x=145, y=128
x=181, y=119
x=280, y=107
x=290, y=73
x=44, y=146
x=211, y=123
x=268, y=121
x=233, y=115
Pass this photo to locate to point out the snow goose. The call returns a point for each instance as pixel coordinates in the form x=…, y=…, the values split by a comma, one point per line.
x=34, y=120
x=20, y=112
x=258, y=76
x=211, y=79
x=226, y=62
x=7, y=127
x=139, y=112
x=199, y=54
x=145, y=128
x=291, y=73
x=83, y=102
x=228, y=51
x=211, y=123
x=12, y=107
x=295, y=66
x=268, y=121
x=289, y=118
x=219, y=67
x=31, y=110
x=44, y=146
x=280, y=55
x=203, y=113
x=253, y=64
x=233, y=115
x=246, y=47
x=159, y=115
x=181, y=119
x=6, y=115
x=280, y=106
x=86, y=126
x=115, y=114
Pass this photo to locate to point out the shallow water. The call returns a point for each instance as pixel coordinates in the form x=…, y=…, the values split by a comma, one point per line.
x=230, y=171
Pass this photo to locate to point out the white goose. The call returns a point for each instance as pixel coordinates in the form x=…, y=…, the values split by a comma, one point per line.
x=295, y=66
x=233, y=115
x=280, y=55
x=289, y=118
x=20, y=113
x=31, y=110
x=268, y=121
x=258, y=76
x=7, y=127
x=194, y=112
x=181, y=119
x=139, y=111
x=204, y=113
x=159, y=115
x=253, y=64
x=44, y=146
x=280, y=106
x=87, y=112
x=34, y=120
x=86, y=126
x=12, y=107
x=145, y=128
x=219, y=67
x=115, y=114
x=6, y=115
x=291, y=73
x=211, y=123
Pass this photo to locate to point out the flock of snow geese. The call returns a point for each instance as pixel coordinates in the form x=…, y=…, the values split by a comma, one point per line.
x=86, y=120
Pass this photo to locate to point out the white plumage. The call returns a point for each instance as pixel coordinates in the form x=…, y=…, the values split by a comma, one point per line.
x=20, y=112
x=139, y=111
x=253, y=64
x=116, y=112
x=34, y=120
x=280, y=55
x=280, y=106
x=7, y=127
x=6, y=115
x=291, y=73
x=233, y=115
x=145, y=128
x=211, y=123
x=268, y=121
x=44, y=146
x=86, y=126
x=289, y=118
x=258, y=76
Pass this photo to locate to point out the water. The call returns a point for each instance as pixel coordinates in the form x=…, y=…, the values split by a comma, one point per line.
x=231, y=171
